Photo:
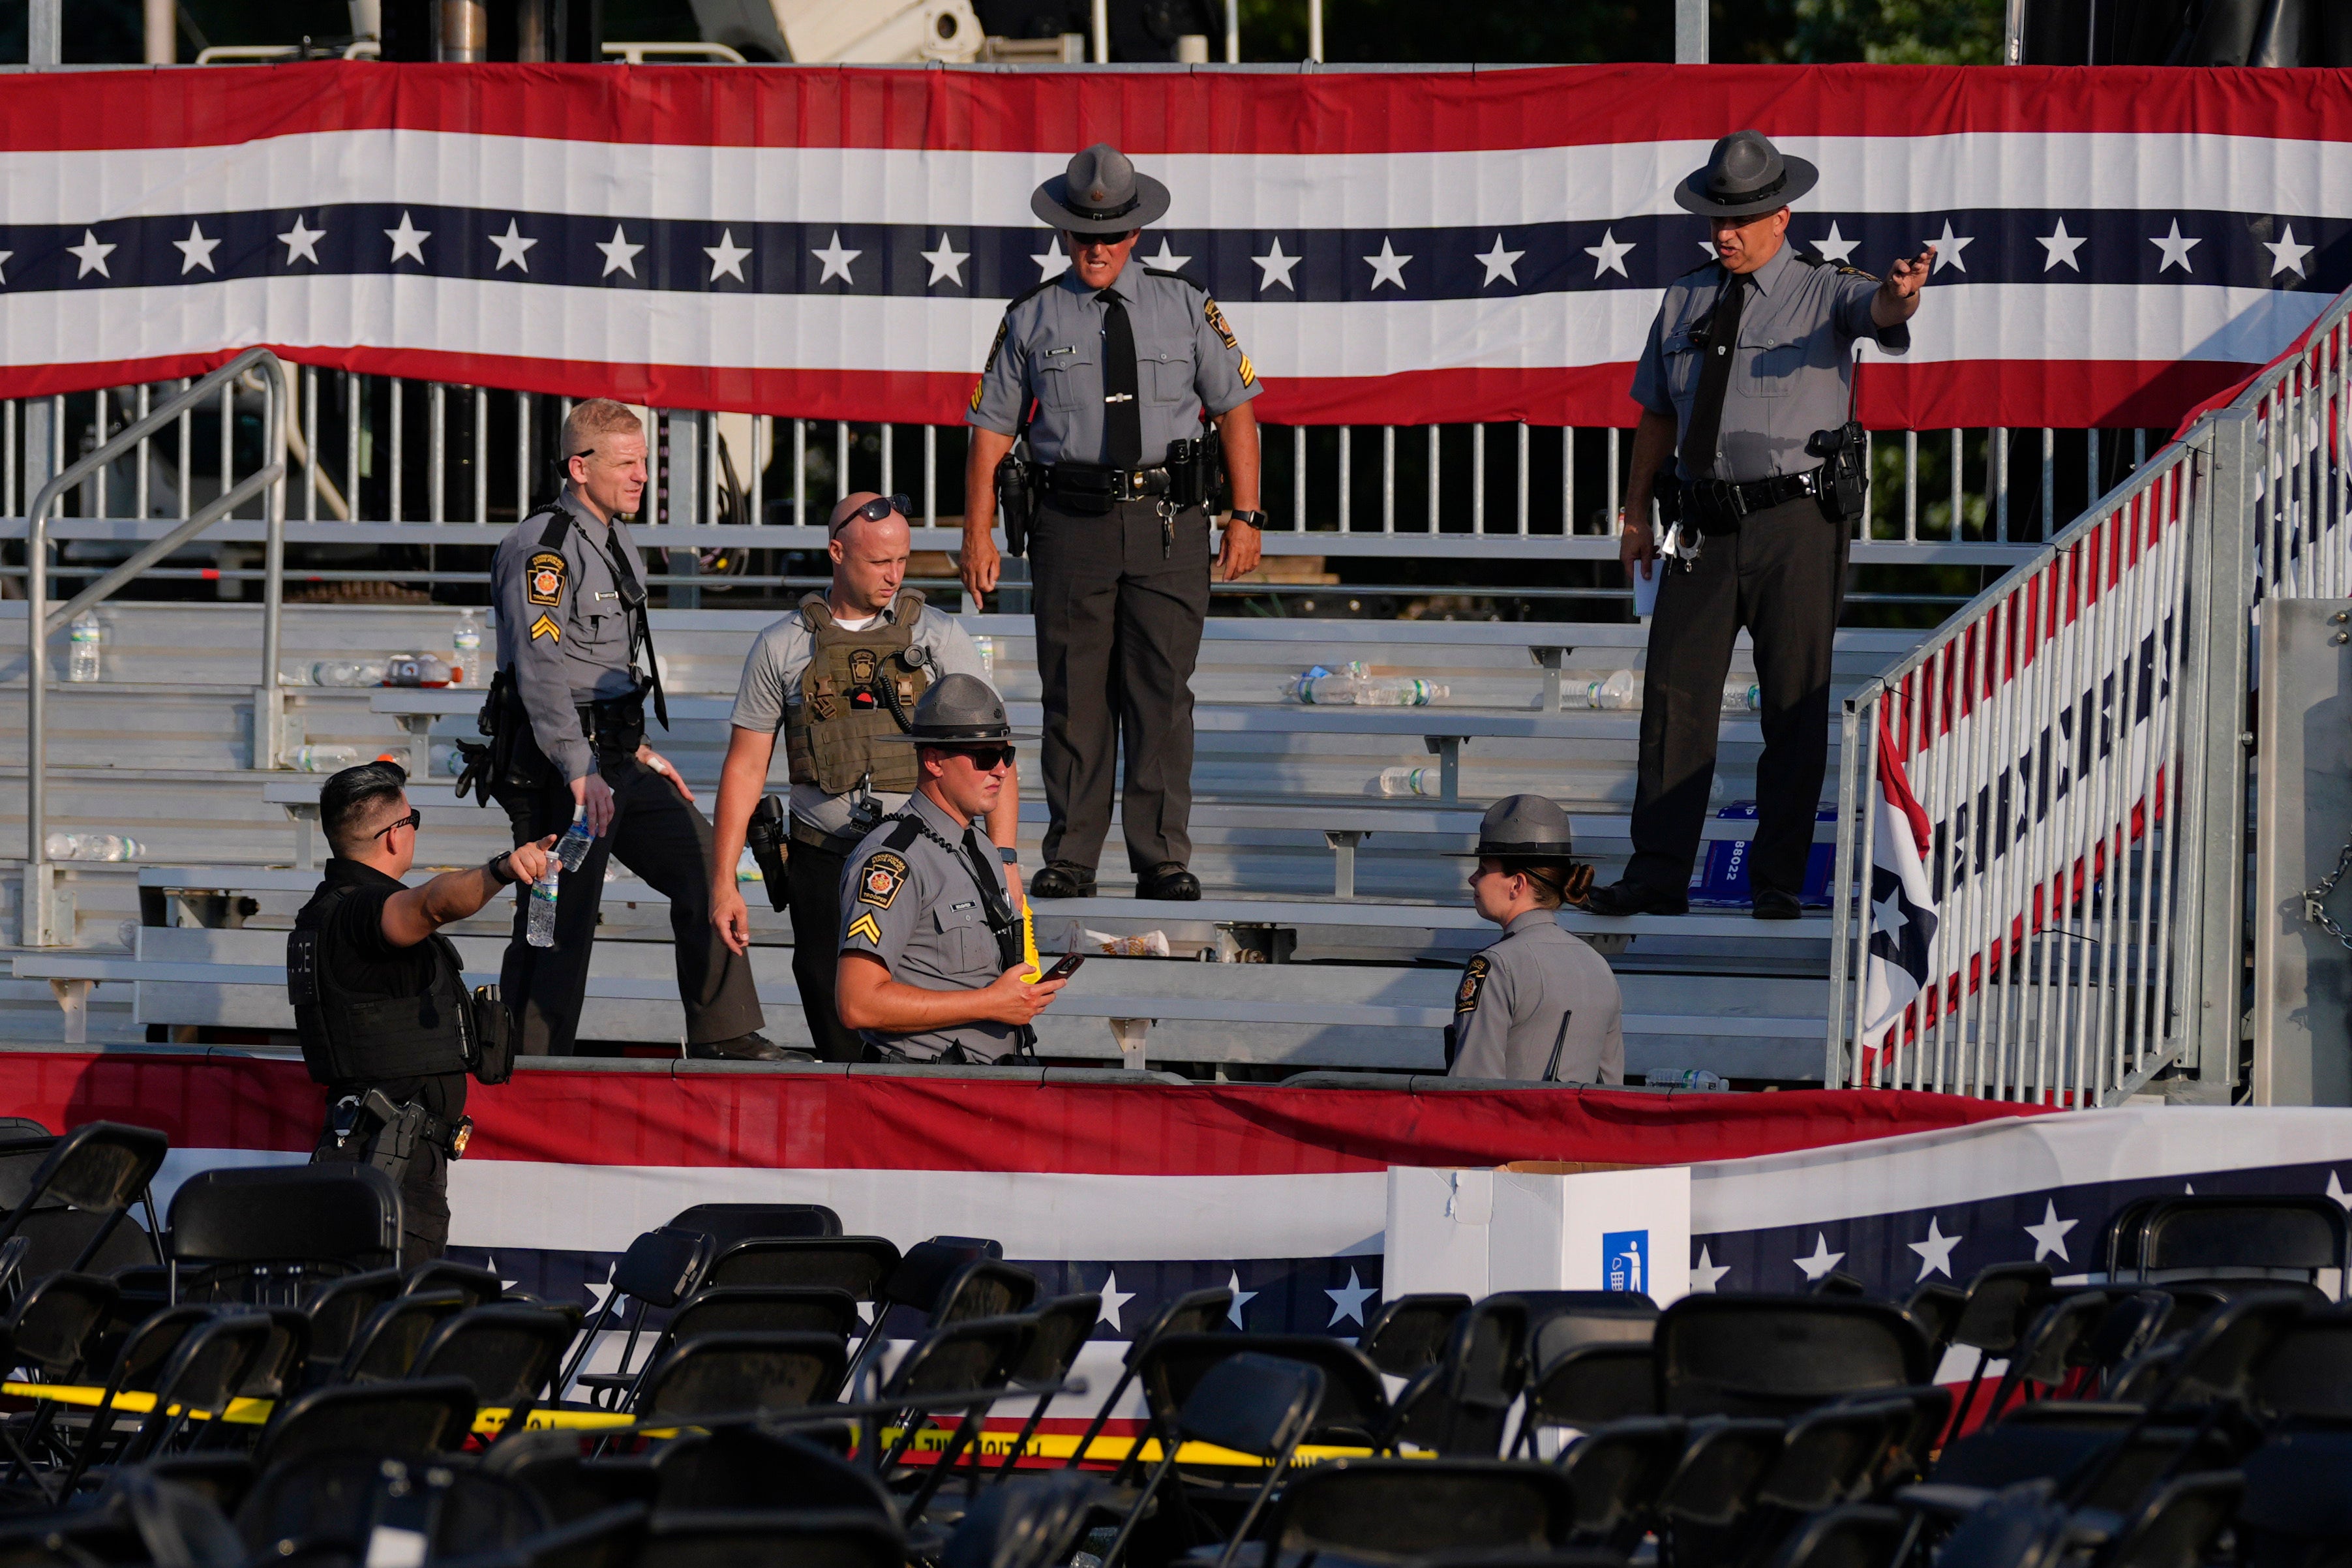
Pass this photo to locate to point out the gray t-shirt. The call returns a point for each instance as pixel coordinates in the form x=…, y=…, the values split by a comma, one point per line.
x=1790, y=373
x=771, y=678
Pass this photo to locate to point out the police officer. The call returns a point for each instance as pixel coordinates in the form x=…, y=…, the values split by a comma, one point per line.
x=1121, y=363
x=838, y=676
x=931, y=967
x=1539, y=1003
x=568, y=712
x=379, y=1000
x=1745, y=387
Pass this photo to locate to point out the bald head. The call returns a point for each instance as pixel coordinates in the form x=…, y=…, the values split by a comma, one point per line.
x=869, y=557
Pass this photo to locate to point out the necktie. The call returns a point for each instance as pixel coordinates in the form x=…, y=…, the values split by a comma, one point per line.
x=1122, y=415
x=1715, y=377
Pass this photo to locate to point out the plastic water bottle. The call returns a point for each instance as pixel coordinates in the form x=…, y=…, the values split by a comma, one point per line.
x=570, y=851
x=348, y=672
x=415, y=669
x=111, y=846
x=1399, y=691
x=1617, y=691
x=85, y=641
x=466, y=652
x=326, y=758
x=1317, y=686
x=1410, y=781
x=987, y=649
x=747, y=869
x=1742, y=697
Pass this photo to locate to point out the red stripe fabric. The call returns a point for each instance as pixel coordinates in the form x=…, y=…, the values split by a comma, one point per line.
x=826, y=1122
x=1154, y=113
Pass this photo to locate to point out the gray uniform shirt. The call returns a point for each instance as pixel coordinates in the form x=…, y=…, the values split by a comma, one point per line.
x=561, y=626
x=1050, y=347
x=1507, y=1012
x=1790, y=373
x=920, y=911
x=771, y=678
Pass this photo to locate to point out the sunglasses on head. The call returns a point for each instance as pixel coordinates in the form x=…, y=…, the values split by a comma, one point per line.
x=410, y=821
x=878, y=509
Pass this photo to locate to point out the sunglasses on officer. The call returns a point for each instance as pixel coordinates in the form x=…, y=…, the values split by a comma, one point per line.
x=412, y=821
x=984, y=759
x=877, y=510
x=1082, y=241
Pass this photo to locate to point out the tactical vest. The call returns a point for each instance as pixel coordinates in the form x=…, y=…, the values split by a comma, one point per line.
x=858, y=686
x=358, y=1036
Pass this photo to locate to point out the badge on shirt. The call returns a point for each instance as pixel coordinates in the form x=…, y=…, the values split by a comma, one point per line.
x=544, y=577
x=1217, y=324
x=545, y=627
x=1474, y=980
x=864, y=926
x=862, y=665
x=881, y=878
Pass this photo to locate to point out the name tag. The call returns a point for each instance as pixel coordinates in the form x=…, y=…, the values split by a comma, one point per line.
x=967, y=904
x=1051, y=352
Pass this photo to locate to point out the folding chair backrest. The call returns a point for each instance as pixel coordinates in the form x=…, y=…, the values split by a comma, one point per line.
x=102, y=1167
x=412, y=1420
x=340, y=1306
x=1030, y=1522
x=1353, y=1406
x=280, y=1371
x=1938, y=1309
x=744, y=1467
x=54, y=1324
x=727, y=1224
x=740, y=1375
x=1390, y=1508
x=507, y=1353
x=1832, y=1455
x=2051, y=1345
x=923, y=1275
x=2295, y=1500
x=1193, y=1312
x=387, y=1344
x=762, y=1309
x=861, y=1264
x=748, y=1539
x=663, y=1267
x=2302, y=1234
x=984, y=1287
x=480, y=1287
x=1859, y=1535
x=977, y=1353
x=1777, y=1356
x=213, y=1361
x=151, y=1344
x=2217, y=1363
x=2121, y=1238
x=1591, y=1385
x=1459, y=1406
x=1715, y=1480
x=1407, y=1335
x=2177, y=1522
x=1618, y=1471
x=2307, y=1375
x=59, y=1238
x=303, y=1222
x=1560, y=1320
x=1059, y=1329
x=1256, y=1404
x=2003, y=1301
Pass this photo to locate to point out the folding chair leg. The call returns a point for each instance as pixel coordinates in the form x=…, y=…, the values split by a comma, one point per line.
x=1240, y=1531
x=967, y=1431
x=1102, y=1417
x=1118, y=1548
x=1021, y=1444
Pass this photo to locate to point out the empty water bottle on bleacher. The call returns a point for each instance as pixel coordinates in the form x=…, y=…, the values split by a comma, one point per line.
x=1354, y=684
x=92, y=846
x=1412, y=781
x=570, y=851
x=1742, y=697
x=1618, y=690
x=84, y=648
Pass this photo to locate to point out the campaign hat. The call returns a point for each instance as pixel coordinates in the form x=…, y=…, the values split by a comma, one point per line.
x=1745, y=176
x=1100, y=193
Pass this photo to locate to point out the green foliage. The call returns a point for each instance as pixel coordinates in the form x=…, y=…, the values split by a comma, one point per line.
x=1880, y=32
x=1583, y=32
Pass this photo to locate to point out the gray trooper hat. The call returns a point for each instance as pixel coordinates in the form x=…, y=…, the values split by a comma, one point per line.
x=1100, y=193
x=1745, y=176
x=1522, y=826
x=958, y=710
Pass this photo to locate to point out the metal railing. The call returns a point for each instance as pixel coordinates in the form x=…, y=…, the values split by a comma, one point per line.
x=265, y=484
x=2077, y=740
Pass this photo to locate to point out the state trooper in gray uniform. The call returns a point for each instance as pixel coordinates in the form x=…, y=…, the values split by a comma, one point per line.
x=1123, y=364
x=565, y=718
x=1745, y=387
x=1541, y=1004
x=931, y=955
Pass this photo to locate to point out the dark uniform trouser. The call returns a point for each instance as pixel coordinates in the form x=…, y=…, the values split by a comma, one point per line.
x=1118, y=631
x=656, y=833
x=1783, y=576
x=813, y=890
x=423, y=1194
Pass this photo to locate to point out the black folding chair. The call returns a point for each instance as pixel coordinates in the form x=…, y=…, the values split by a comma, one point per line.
x=347, y=1506
x=270, y=1233
x=1255, y=1404
x=1029, y=1521
x=727, y=1224
x=974, y=1358
x=52, y=1329
x=1589, y=1352
x=2002, y=1302
x=480, y=1287
x=1715, y=1481
x=400, y=1420
x=1859, y=1535
x=1835, y=1453
x=1407, y=1335
x=750, y=1539
x=1059, y=1329
x=1195, y=1312
x=1390, y=1508
x=2052, y=1347
x=1461, y=1407
x=507, y=1353
x=2305, y=1380
x=99, y=1169
x=339, y=1309
x=387, y=1344
x=1352, y=1407
x=731, y=1309
x=751, y=1467
x=134, y=1364
x=949, y=1280
x=1618, y=1473
x=208, y=1366
x=1782, y=1355
x=2276, y=1238
x=737, y=1376
x=2297, y=1512
x=861, y=1264
x=661, y=1268
x=611, y=1537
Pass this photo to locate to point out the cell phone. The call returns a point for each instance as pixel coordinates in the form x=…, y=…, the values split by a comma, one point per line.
x=1063, y=968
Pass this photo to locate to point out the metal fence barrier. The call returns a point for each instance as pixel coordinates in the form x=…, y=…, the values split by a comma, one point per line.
x=2077, y=739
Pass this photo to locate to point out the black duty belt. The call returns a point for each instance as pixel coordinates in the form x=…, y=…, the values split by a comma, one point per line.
x=1718, y=505
x=1088, y=482
x=815, y=837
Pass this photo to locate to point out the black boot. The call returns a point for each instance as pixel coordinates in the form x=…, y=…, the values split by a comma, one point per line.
x=1063, y=880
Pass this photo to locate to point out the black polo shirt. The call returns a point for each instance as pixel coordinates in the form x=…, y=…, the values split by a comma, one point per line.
x=352, y=944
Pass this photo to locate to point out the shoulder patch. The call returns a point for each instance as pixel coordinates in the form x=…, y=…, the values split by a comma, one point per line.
x=1474, y=980
x=545, y=627
x=543, y=575
x=1217, y=323
x=879, y=879
x=864, y=926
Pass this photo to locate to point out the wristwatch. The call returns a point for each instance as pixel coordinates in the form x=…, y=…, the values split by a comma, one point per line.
x=1009, y=855
x=500, y=867
x=1255, y=519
